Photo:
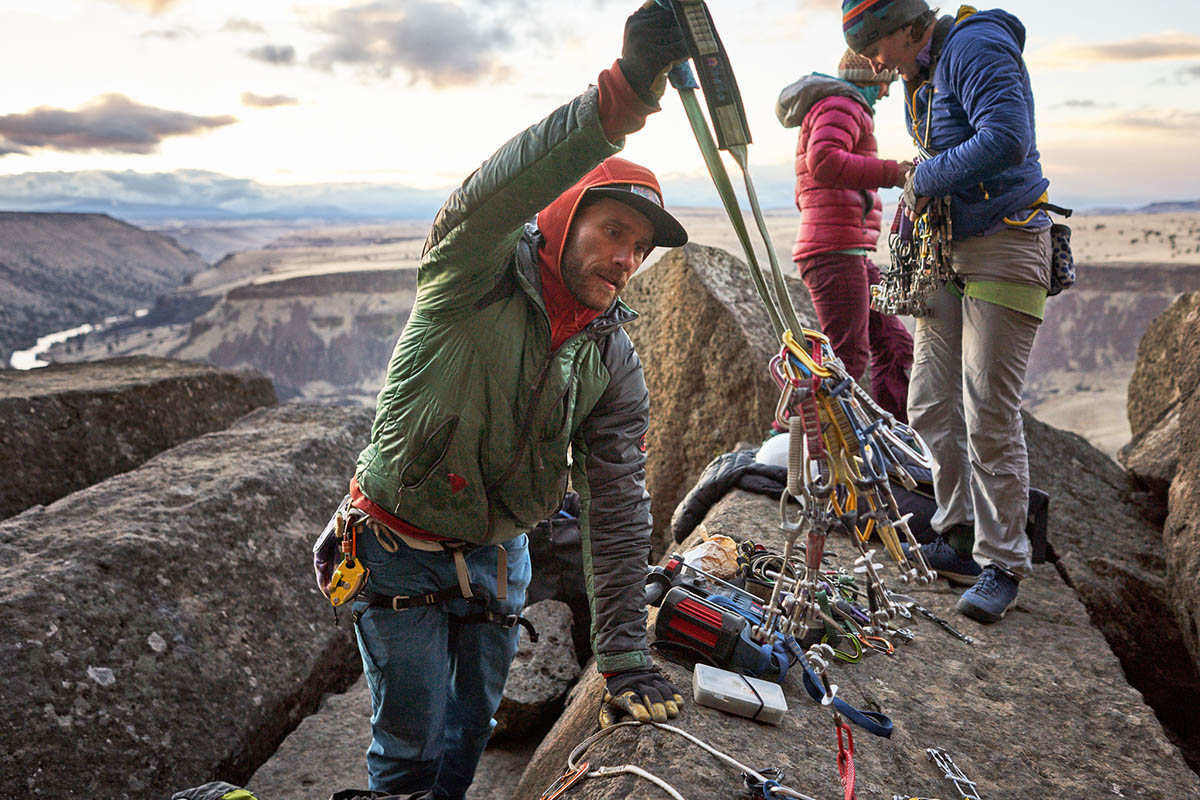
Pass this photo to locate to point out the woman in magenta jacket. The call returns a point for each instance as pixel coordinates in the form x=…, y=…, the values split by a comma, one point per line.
x=837, y=175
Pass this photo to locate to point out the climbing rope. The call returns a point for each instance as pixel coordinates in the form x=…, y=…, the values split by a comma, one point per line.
x=773, y=787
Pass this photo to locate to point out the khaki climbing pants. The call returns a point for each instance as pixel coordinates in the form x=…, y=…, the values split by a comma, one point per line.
x=969, y=361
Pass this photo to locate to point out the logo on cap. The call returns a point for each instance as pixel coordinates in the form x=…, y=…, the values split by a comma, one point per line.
x=646, y=192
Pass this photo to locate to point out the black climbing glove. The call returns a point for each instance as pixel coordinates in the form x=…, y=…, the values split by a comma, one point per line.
x=644, y=695
x=653, y=44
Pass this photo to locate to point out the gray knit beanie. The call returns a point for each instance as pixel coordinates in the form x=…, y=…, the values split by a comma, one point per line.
x=858, y=69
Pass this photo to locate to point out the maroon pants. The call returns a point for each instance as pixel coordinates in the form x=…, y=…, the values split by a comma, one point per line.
x=840, y=289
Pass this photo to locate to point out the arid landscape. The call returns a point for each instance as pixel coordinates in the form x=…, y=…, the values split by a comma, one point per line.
x=318, y=309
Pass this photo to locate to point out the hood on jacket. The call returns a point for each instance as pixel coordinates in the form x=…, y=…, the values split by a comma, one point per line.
x=567, y=315
x=996, y=17
x=797, y=99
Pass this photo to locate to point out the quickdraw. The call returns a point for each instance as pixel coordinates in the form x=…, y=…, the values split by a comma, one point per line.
x=951, y=772
x=843, y=451
x=921, y=261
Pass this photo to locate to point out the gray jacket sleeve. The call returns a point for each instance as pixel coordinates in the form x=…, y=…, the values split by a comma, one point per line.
x=615, y=525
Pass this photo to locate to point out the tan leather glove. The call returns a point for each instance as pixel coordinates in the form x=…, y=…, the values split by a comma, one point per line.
x=644, y=695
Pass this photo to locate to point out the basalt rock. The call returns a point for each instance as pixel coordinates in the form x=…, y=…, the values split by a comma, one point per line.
x=1036, y=707
x=705, y=340
x=541, y=672
x=163, y=628
x=1158, y=390
x=1112, y=556
x=1158, y=383
x=69, y=426
x=1181, y=533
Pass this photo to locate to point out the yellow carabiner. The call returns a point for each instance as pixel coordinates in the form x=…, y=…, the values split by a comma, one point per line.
x=802, y=355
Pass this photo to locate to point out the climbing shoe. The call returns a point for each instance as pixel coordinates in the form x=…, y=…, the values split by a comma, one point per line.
x=941, y=556
x=991, y=595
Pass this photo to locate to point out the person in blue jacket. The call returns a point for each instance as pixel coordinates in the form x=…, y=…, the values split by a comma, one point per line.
x=969, y=107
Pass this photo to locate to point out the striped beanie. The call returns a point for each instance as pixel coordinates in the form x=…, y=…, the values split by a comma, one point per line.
x=864, y=21
x=858, y=69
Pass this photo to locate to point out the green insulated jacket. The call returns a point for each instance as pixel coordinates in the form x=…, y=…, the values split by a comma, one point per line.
x=479, y=423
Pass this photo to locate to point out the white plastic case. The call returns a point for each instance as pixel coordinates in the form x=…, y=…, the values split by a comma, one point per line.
x=735, y=694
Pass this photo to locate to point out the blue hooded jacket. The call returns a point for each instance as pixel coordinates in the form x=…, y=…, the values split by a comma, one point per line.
x=980, y=124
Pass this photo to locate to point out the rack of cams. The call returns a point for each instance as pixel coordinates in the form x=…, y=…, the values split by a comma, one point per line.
x=920, y=264
x=842, y=449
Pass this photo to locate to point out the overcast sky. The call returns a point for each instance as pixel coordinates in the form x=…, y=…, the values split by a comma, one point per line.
x=417, y=92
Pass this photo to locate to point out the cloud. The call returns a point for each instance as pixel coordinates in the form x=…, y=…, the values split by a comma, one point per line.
x=1144, y=48
x=110, y=123
x=281, y=54
x=1142, y=120
x=241, y=25
x=200, y=194
x=153, y=6
x=429, y=40
x=1156, y=120
x=170, y=34
x=1082, y=104
x=1187, y=74
x=267, y=101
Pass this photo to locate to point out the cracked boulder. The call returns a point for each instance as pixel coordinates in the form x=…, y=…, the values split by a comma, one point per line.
x=705, y=340
x=69, y=426
x=163, y=628
x=1158, y=391
x=1181, y=532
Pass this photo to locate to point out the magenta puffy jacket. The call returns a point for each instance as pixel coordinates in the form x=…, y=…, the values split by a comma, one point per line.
x=837, y=174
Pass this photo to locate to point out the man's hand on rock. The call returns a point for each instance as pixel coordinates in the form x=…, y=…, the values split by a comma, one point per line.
x=644, y=695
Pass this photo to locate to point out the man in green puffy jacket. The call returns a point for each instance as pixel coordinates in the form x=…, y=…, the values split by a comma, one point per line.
x=512, y=373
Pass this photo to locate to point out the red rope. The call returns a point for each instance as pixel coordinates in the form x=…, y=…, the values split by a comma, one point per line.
x=846, y=760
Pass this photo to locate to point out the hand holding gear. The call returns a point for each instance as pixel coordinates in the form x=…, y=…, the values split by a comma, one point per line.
x=914, y=203
x=643, y=695
x=653, y=44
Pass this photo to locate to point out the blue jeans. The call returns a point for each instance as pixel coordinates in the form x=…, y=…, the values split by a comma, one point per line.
x=435, y=683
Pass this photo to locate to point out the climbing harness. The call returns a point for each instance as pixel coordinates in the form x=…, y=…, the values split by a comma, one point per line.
x=349, y=580
x=951, y=772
